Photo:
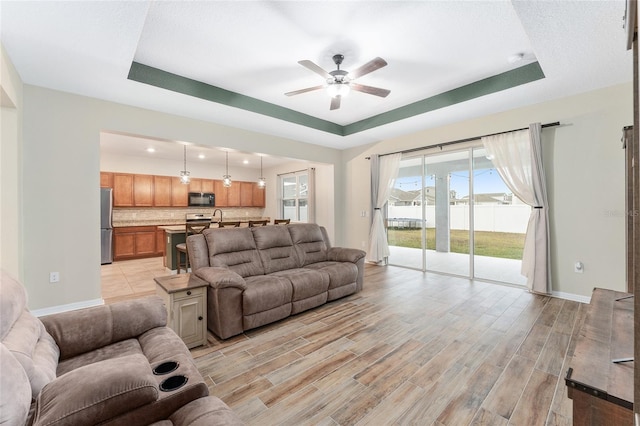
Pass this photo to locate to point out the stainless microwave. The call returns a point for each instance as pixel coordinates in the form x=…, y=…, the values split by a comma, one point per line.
x=202, y=199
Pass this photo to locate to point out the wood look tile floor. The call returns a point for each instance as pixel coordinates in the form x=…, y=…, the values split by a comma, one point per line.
x=410, y=349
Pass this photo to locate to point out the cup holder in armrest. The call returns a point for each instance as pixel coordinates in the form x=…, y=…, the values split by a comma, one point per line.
x=165, y=368
x=173, y=383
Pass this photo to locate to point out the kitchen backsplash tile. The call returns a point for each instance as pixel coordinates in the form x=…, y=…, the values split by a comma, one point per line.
x=174, y=216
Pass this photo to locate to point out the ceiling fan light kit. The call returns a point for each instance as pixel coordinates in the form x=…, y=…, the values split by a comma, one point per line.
x=339, y=82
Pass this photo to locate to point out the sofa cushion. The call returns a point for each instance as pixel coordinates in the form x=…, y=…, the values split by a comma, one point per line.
x=15, y=390
x=97, y=392
x=84, y=330
x=265, y=292
x=114, y=350
x=275, y=248
x=305, y=282
x=235, y=249
x=13, y=301
x=309, y=242
x=205, y=412
x=343, y=277
x=34, y=349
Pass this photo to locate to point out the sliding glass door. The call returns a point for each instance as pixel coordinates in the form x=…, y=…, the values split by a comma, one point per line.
x=451, y=213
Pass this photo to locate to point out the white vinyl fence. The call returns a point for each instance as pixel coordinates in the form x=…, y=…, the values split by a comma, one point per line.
x=488, y=217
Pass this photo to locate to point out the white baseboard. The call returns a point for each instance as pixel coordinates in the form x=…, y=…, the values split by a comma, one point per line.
x=571, y=296
x=69, y=307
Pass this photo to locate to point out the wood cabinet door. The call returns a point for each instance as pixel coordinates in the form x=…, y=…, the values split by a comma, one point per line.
x=258, y=196
x=160, y=241
x=221, y=193
x=122, y=190
x=195, y=185
x=233, y=195
x=246, y=194
x=207, y=185
x=123, y=245
x=179, y=193
x=145, y=243
x=162, y=191
x=106, y=180
x=143, y=190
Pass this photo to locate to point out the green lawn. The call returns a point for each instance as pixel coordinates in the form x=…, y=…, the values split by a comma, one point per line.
x=494, y=244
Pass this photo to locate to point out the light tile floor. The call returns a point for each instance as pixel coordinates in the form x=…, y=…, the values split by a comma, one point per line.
x=129, y=279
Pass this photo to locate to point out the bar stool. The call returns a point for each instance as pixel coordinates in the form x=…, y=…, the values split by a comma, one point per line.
x=189, y=229
x=281, y=221
x=254, y=223
x=229, y=224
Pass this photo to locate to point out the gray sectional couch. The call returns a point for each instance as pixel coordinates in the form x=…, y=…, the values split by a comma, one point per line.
x=260, y=275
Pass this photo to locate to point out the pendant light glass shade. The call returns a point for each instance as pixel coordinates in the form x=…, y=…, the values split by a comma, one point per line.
x=226, y=179
x=184, y=174
x=261, y=180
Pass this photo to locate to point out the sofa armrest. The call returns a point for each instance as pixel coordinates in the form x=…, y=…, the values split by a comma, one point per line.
x=219, y=278
x=83, y=330
x=97, y=392
x=340, y=254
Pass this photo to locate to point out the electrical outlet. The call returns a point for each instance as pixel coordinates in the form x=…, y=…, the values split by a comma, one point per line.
x=578, y=267
x=54, y=277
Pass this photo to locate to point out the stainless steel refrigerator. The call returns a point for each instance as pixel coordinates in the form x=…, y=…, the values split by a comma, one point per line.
x=106, y=228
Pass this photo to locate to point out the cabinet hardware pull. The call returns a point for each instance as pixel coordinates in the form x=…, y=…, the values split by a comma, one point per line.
x=189, y=293
x=200, y=318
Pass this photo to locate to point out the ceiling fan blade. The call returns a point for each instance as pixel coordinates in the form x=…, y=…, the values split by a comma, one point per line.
x=308, y=89
x=370, y=66
x=315, y=68
x=370, y=90
x=335, y=102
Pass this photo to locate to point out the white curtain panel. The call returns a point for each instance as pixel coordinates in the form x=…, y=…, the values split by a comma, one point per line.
x=517, y=156
x=384, y=170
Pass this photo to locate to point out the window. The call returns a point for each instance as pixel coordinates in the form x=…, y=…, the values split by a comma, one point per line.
x=295, y=196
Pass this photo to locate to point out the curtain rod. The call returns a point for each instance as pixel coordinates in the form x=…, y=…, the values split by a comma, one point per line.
x=297, y=171
x=440, y=145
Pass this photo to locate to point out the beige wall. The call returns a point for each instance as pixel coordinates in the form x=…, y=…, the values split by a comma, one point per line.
x=10, y=167
x=585, y=178
x=61, y=177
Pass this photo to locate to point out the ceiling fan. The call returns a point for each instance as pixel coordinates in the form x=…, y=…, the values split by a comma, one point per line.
x=340, y=82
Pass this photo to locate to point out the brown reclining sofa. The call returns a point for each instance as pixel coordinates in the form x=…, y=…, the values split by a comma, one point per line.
x=260, y=275
x=106, y=365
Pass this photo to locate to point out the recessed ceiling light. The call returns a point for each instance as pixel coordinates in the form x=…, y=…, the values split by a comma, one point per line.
x=201, y=156
x=245, y=162
x=151, y=150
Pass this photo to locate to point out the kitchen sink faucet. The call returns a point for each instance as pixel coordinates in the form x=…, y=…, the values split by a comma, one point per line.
x=214, y=214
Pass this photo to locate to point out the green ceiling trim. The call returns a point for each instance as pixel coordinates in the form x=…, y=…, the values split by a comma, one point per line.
x=487, y=86
x=176, y=83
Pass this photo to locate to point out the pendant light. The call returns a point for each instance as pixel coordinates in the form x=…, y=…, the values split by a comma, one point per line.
x=261, y=180
x=184, y=174
x=226, y=179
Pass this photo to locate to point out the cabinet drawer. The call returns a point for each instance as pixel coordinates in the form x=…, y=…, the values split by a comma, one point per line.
x=194, y=292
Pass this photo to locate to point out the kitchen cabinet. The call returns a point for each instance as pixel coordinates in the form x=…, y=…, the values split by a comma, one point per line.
x=258, y=196
x=160, y=241
x=134, y=242
x=233, y=195
x=179, y=193
x=221, y=194
x=201, y=185
x=106, y=180
x=143, y=190
x=162, y=191
x=122, y=190
x=246, y=194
